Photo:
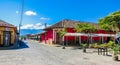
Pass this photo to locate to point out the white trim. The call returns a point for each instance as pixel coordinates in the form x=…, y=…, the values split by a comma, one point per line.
x=80, y=39
x=93, y=35
x=107, y=35
x=53, y=35
x=75, y=34
x=63, y=38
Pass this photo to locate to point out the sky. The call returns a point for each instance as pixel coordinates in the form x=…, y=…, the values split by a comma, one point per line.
x=39, y=12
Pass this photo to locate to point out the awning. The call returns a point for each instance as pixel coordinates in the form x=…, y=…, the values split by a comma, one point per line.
x=106, y=35
x=93, y=35
x=76, y=34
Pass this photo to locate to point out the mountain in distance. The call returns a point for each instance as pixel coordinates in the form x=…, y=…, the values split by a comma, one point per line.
x=29, y=31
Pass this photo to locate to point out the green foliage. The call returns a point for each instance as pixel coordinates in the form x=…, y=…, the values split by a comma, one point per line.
x=106, y=45
x=103, y=25
x=78, y=28
x=84, y=45
x=111, y=22
x=110, y=44
x=91, y=45
x=115, y=49
x=103, y=45
x=22, y=37
x=62, y=32
x=84, y=27
x=96, y=45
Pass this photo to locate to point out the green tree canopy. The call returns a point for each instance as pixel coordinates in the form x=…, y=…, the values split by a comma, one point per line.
x=62, y=32
x=111, y=22
x=85, y=27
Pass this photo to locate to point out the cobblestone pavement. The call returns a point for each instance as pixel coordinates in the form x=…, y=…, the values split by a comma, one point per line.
x=40, y=54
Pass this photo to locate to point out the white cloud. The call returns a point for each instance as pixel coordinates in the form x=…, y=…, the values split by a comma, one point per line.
x=33, y=26
x=38, y=24
x=43, y=18
x=30, y=13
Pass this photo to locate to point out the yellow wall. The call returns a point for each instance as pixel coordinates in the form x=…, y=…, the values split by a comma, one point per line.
x=13, y=34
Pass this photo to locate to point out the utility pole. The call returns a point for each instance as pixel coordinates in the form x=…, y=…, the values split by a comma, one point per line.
x=45, y=32
x=21, y=19
x=21, y=15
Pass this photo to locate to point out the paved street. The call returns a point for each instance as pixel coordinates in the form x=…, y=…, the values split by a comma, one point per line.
x=34, y=53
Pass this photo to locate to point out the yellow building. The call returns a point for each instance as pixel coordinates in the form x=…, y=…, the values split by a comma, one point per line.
x=8, y=34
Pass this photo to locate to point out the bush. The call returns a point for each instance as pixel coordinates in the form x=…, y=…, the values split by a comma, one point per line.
x=115, y=48
x=110, y=44
x=103, y=45
x=91, y=45
x=96, y=45
x=84, y=45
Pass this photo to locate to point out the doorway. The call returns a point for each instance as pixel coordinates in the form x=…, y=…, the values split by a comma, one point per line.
x=58, y=38
x=6, y=38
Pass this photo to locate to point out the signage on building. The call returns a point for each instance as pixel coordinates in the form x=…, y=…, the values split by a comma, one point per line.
x=7, y=29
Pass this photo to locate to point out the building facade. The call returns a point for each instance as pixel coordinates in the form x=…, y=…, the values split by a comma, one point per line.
x=51, y=35
x=8, y=34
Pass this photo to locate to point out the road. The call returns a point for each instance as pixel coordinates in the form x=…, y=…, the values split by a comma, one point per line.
x=34, y=53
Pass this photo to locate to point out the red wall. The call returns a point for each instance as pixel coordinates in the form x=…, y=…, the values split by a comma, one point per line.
x=43, y=38
x=72, y=38
x=49, y=36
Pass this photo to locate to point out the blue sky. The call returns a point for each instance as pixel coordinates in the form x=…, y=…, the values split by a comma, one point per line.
x=37, y=12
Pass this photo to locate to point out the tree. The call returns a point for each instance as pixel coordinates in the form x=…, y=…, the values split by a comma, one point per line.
x=86, y=28
x=78, y=28
x=111, y=22
x=62, y=33
x=22, y=37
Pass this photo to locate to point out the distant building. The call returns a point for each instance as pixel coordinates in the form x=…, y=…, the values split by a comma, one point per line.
x=51, y=36
x=8, y=34
x=33, y=36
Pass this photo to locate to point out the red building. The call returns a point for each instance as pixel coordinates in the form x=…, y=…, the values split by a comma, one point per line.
x=51, y=36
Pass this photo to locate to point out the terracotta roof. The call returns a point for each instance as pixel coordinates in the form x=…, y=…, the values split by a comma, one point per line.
x=69, y=24
x=5, y=24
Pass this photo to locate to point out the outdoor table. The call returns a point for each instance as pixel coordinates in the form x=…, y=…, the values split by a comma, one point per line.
x=102, y=51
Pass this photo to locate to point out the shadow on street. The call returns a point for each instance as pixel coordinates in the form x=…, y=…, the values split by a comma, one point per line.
x=18, y=45
x=23, y=44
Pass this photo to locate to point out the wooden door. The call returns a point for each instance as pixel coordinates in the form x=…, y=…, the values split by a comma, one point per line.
x=58, y=38
x=6, y=38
